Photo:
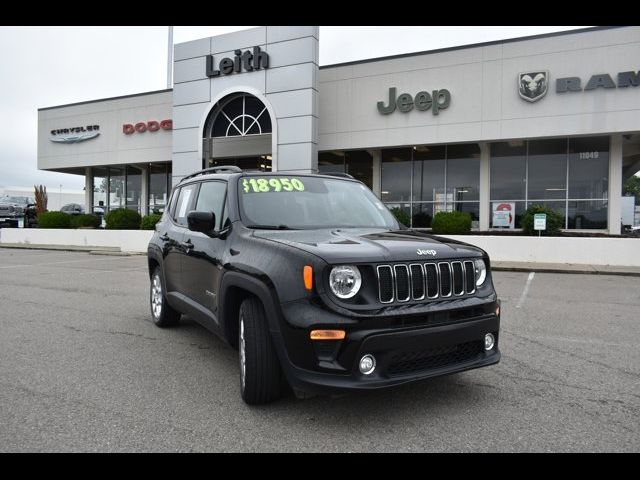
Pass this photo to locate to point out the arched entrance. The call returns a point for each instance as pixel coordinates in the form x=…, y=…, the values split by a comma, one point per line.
x=238, y=132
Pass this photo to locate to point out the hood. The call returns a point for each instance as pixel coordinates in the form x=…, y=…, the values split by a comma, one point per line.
x=351, y=245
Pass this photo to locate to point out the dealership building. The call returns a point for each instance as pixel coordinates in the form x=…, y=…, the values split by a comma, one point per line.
x=488, y=129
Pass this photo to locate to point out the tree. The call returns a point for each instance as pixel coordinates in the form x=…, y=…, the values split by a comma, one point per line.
x=41, y=199
x=632, y=186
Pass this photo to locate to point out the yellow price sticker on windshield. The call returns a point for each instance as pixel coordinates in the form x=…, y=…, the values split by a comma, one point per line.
x=275, y=184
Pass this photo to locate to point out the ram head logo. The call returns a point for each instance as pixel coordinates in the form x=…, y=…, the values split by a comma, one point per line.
x=532, y=86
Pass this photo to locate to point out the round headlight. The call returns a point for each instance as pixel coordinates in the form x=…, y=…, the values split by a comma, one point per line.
x=481, y=272
x=345, y=281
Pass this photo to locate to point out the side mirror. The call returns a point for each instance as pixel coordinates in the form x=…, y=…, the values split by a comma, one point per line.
x=204, y=222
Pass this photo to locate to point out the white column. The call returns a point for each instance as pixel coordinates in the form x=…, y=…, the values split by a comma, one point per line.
x=88, y=190
x=615, y=184
x=485, y=209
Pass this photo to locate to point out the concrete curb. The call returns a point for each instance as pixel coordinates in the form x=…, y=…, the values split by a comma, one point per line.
x=568, y=268
x=67, y=248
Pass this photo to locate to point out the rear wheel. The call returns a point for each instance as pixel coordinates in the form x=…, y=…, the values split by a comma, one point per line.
x=162, y=313
x=260, y=372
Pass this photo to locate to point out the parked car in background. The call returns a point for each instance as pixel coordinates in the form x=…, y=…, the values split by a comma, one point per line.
x=73, y=209
x=13, y=209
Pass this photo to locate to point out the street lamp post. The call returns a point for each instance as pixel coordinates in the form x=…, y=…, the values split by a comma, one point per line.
x=60, y=196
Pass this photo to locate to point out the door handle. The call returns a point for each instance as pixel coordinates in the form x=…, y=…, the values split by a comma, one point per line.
x=164, y=237
x=188, y=245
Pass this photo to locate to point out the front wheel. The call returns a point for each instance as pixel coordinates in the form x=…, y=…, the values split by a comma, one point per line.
x=260, y=372
x=162, y=313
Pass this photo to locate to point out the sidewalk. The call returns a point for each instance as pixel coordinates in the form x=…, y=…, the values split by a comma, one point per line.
x=565, y=268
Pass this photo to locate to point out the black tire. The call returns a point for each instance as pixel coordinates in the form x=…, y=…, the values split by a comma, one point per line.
x=162, y=314
x=260, y=379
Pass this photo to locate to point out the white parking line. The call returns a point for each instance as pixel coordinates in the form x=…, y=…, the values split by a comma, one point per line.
x=110, y=258
x=526, y=290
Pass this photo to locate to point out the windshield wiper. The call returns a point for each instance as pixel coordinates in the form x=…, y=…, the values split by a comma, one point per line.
x=271, y=227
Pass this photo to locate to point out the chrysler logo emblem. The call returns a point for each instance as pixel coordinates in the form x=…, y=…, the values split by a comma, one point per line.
x=532, y=86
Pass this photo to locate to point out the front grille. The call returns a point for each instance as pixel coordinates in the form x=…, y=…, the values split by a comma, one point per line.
x=410, y=362
x=402, y=282
x=417, y=281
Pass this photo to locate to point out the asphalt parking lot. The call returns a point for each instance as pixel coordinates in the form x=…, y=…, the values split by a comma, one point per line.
x=82, y=368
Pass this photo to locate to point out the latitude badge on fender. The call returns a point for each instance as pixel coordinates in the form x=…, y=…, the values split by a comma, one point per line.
x=532, y=86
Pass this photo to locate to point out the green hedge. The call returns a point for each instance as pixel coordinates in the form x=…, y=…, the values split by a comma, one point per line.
x=123, y=219
x=78, y=221
x=149, y=221
x=451, y=223
x=54, y=220
x=555, y=221
x=401, y=216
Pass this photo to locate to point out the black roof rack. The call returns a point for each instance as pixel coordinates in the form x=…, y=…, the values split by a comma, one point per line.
x=219, y=168
x=337, y=174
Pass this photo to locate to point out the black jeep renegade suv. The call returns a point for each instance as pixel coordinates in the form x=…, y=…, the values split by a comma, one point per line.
x=316, y=283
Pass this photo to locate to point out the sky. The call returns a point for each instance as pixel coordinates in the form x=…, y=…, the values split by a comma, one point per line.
x=48, y=66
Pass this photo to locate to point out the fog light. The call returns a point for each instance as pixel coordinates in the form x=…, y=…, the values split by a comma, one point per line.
x=367, y=364
x=489, y=341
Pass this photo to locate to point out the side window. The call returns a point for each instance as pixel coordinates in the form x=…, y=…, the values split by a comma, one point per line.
x=211, y=199
x=185, y=199
x=172, y=205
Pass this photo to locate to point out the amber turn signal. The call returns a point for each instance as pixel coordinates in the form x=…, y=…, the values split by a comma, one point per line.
x=308, y=277
x=327, y=334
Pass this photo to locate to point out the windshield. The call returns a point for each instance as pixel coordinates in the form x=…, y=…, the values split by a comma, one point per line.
x=9, y=199
x=310, y=202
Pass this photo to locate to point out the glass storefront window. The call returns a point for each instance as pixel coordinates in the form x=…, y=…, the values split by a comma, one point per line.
x=428, y=173
x=547, y=169
x=331, y=162
x=473, y=209
x=587, y=214
x=134, y=187
x=437, y=178
x=100, y=188
x=508, y=171
x=116, y=188
x=359, y=165
x=588, y=168
x=159, y=176
x=396, y=175
x=463, y=172
x=556, y=206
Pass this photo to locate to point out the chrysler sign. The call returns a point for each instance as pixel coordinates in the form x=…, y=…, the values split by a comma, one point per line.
x=74, y=134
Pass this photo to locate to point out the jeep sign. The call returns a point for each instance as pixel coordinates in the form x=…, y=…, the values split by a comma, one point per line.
x=436, y=100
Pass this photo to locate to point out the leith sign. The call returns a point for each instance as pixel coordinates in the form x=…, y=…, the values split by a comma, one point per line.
x=248, y=61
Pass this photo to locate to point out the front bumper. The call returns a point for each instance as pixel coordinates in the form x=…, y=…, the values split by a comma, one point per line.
x=403, y=354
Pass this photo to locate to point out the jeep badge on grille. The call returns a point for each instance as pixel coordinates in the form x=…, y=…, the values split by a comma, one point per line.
x=427, y=252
